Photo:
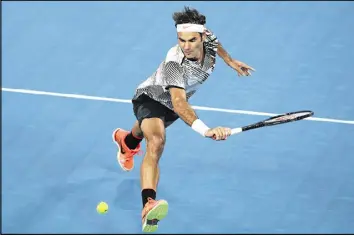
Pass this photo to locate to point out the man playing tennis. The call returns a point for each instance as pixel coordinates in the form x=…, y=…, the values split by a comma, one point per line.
x=163, y=98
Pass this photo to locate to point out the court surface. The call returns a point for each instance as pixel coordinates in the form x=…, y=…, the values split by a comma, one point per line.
x=58, y=159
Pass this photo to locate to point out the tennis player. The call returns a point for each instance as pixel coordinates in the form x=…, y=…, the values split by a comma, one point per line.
x=163, y=98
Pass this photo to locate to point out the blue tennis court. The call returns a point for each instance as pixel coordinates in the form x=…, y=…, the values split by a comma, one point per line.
x=58, y=159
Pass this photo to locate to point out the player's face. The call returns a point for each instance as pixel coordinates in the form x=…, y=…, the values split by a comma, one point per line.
x=191, y=44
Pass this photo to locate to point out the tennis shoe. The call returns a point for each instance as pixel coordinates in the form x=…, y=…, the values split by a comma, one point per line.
x=152, y=213
x=125, y=155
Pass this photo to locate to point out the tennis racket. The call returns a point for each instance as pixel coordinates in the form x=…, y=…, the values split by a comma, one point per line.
x=275, y=120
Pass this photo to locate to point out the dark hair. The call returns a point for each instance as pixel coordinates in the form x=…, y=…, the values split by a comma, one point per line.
x=189, y=15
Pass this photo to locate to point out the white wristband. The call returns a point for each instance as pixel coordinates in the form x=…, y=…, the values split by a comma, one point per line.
x=200, y=127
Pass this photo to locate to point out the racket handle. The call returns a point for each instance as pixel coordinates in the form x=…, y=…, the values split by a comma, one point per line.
x=233, y=131
x=236, y=131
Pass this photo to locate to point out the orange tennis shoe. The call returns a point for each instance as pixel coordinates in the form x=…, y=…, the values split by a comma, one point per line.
x=125, y=155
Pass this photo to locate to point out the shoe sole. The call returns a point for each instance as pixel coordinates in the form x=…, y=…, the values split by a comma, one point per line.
x=157, y=213
x=118, y=153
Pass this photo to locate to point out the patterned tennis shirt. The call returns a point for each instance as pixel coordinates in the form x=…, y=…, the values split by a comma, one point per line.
x=177, y=71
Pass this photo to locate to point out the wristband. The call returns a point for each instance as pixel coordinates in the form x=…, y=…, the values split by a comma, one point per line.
x=200, y=127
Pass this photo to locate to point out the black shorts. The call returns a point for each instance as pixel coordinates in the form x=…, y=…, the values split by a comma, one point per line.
x=146, y=107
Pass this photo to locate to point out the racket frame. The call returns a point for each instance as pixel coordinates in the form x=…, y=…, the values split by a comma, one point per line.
x=267, y=122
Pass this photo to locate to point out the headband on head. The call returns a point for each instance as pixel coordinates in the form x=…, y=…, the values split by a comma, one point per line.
x=190, y=28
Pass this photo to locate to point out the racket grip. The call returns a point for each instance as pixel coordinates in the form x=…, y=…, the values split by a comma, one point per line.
x=233, y=131
x=236, y=131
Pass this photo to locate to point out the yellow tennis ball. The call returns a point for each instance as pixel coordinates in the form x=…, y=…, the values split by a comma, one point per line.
x=102, y=208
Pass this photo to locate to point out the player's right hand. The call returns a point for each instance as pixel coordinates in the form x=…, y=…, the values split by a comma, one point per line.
x=218, y=133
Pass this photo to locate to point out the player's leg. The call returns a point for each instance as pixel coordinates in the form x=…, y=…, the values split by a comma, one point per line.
x=156, y=118
x=154, y=210
x=154, y=130
x=169, y=118
x=154, y=133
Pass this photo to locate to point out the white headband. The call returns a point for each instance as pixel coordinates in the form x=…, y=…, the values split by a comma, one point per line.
x=190, y=28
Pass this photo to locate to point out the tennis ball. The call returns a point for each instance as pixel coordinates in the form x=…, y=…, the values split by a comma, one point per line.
x=102, y=208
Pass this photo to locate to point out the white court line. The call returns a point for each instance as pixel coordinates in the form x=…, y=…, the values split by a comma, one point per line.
x=86, y=97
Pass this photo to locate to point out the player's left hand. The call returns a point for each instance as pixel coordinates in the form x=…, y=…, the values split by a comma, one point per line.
x=242, y=68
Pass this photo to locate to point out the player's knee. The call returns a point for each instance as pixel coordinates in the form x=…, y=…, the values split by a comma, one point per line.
x=155, y=144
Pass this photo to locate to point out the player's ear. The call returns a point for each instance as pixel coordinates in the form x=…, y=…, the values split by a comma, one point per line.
x=203, y=35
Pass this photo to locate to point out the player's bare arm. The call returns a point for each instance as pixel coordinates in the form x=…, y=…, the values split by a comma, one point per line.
x=242, y=68
x=188, y=115
x=181, y=105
